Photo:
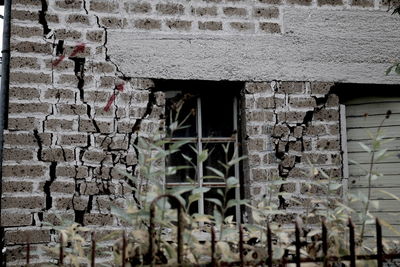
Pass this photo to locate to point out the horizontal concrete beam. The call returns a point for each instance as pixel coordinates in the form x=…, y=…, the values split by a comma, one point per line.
x=354, y=46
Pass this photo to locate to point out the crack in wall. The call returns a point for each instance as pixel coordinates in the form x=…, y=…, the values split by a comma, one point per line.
x=47, y=185
x=42, y=19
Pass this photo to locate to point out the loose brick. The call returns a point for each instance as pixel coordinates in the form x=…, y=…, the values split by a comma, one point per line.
x=299, y=2
x=242, y=26
x=71, y=202
x=26, y=139
x=17, y=154
x=326, y=115
x=170, y=8
x=24, y=62
x=205, y=11
x=235, y=11
x=258, y=87
x=363, y=3
x=22, y=202
x=31, y=47
x=103, y=67
x=147, y=24
x=78, y=172
x=24, y=77
x=179, y=24
x=73, y=140
x=26, y=32
x=210, y=25
x=16, y=219
x=265, y=102
x=103, y=6
x=90, y=126
x=328, y=144
x=264, y=174
x=261, y=116
x=95, y=36
x=65, y=34
x=330, y=2
x=23, y=93
x=20, y=236
x=69, y=5
x=321, y=87
x=302, y=102
x=60, y=94
x=58, y=125
x=98, y=219
x=71, y=109
x=57, y=154
x=266, y=12
x=138, y=7
x=33, y=3
x=96, y=157
x=24, y=15
x=17, y=186
x=26, y=124
x=292, y=116
x=29, y=108
x=270, y=27
x=113, y=22
x=62, y=187
x=55, y=220
x=291, y=88
x=270, y=2
x=78, y=18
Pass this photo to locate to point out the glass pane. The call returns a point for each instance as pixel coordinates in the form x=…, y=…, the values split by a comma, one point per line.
x=181, y=108
x=178, y=159
x=218, y=193
x=216, y=156
x=217, y=115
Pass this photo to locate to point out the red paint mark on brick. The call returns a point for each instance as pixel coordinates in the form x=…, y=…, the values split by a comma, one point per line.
x=120, y=88
x=78, y=48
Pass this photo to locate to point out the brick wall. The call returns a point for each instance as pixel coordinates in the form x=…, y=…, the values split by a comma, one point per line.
x=62, y=149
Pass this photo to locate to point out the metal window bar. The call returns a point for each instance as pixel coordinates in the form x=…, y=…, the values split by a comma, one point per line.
x=200, y=140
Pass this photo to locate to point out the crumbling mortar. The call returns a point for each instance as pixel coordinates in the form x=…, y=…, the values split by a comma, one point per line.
x=285, y=170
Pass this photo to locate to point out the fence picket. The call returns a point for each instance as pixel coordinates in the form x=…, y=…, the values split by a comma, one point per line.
x=269, y=246
x=241, y=249
x=379, y=245
x=352, y=244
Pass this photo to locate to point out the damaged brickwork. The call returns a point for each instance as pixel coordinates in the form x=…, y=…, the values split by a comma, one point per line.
x=290, y=127
x=63, y=149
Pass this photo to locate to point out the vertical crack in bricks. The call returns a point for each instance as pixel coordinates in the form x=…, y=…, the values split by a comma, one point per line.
x=47, y=185
x=42, y=18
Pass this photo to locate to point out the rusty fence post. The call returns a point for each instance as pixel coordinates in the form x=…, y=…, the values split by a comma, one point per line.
x=93, y=252
x=325, y=243
x=269, y=246
x=61, y=256
x=379, y=245
x=152, y=232
x=352, y=244
x=123, y=249
x=298, y=244
x=241, y=248
x=213, y=261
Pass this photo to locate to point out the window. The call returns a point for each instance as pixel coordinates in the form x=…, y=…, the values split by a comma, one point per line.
x=208, y=115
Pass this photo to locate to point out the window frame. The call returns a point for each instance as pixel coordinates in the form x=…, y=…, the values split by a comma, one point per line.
x=200, y=141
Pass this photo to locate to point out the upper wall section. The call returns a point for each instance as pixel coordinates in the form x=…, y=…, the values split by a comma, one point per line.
x=347, y=41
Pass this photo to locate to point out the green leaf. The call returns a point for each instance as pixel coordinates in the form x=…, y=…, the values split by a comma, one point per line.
x=194, y=197
x=334, y=186
x=200, y=190
x=216, y=201
x=232, y=182
x=236, y=160
x=217, y=172
x=234, y=202
x=365, y=147
x=389, y=69
x=202, y=156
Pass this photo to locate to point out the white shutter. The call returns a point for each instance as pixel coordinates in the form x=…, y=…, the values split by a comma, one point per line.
x=363, y=117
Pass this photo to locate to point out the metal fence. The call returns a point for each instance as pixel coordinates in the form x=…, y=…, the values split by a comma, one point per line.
x=325, y=260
